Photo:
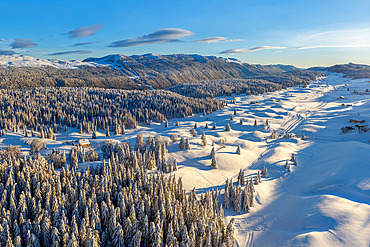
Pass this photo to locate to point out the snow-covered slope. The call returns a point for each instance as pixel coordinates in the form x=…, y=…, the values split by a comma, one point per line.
x=324, y=201
x=7, y=61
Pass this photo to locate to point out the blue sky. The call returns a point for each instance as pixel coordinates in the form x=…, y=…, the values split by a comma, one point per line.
x=302, y=33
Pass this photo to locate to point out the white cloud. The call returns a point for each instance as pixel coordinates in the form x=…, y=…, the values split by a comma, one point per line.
x=329, y=46
x=341, y=38
x=216, y=40
x=257, y=48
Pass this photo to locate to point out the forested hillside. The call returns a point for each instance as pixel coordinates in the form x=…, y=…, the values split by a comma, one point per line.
x=115, y=204
x=259, y=85
x=130, y=72
x=92, y=108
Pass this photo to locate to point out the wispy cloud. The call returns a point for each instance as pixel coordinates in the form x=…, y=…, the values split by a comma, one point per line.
x=69, y=52
x=215, y=40
x=4, y=40
x=329, y=46
x=23, y=43
x=340, y=38
x=82, y=44
x=159, y=36
x=257, y=48
x=83, y=32
x=233, y=51
x=7, y=52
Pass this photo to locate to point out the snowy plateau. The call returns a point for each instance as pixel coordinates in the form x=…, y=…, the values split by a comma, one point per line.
x=324, y=200
x=7, y=61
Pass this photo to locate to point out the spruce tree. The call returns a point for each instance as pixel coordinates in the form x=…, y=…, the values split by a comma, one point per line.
x=107, y=132
x=227, y=127
x=204, y=139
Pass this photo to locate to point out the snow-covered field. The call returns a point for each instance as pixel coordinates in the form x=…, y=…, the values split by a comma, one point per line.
x=323, y=201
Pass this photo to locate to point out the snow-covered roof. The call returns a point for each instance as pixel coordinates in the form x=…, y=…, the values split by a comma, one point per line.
x=83, y=142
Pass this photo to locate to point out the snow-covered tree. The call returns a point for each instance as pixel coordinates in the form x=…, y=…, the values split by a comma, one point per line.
x=174, y=137
x=214, y=163
x=187, y=144
x=287, y=166
x=193, y=132
x=227, y=127
x=36, y=146
x=264, y=171
x=204, y=139
x=107, y=133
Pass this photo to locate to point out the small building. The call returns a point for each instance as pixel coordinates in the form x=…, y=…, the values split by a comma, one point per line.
x=84, y=143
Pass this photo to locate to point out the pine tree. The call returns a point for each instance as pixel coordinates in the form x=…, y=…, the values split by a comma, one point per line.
x=55, y=237
x=118, y=238
x=213, y=153
x=229, y=235
x=237, y=198
x=251, y=192
x=227, y=127
x=245, y=200
x=255, y=122
x=170, y=239
x=264, y=171
x=287, y=166
x=226, y=195
x=187, y=144
x=204, y=139
x=214, y=126
x=107, y=133
x=206, y=126
x=193, y=132
x=259, y=176
x=241, y=179
x=174, y=165
x=182, y=143
x=73, y=241
x=241, y=121
x=166, y=124
x=293, y=157
x=238, y=150
x=214, y=163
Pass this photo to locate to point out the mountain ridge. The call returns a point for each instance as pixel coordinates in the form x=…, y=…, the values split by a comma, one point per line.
x=147, y=71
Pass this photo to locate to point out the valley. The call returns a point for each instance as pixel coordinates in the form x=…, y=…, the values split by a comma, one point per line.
x=323, y=200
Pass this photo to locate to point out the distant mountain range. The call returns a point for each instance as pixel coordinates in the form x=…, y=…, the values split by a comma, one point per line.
x=355, y=71
x=129, y=72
